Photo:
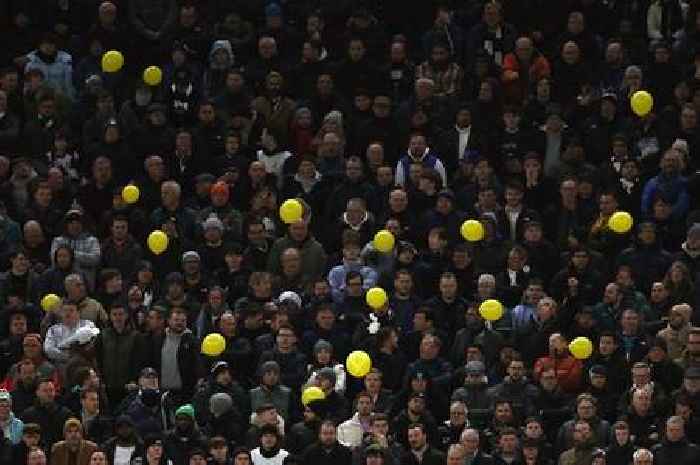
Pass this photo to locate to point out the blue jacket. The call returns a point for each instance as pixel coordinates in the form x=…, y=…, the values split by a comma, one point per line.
x=336, y=278
x=675, y=188
x=16, y=428
x=58, y=74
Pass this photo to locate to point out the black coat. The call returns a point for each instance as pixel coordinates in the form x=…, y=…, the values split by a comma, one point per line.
x=187, y=358
x=430, y=457
x=675, y=453
x=318, y=455
x=51, y=418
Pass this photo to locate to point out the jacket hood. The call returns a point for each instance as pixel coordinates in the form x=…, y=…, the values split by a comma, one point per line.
x=222, y=45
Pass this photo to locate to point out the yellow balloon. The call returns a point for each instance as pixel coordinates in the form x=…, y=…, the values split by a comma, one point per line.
x=214, y=344
x=620, y=222
x=491, y=310
x=312, y=394
x=112, y=61
x=384, y=241
x=376, y=297
x=291, y=211
x=358, y=363
x=581, y=348
x=152, y=75
x=472, y=230
x=49, y=302
x=642, y=102
x=131, y=194
x=158, y=242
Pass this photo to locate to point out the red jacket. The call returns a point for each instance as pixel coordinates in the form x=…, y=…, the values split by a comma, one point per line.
x=517, y=87
x=568, y=369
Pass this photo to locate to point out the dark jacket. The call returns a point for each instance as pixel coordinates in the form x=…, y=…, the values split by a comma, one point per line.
x=125, y=258
x=187, y=358
x=430, y=457
x=675, y=453
x=319, y=455
x=119, y=357
x=51, y=418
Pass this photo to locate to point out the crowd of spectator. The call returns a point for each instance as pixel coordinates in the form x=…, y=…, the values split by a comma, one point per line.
x=408, y=116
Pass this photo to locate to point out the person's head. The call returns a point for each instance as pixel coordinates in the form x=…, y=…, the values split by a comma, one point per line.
x=691, y=380
x=455, y=454
x=73, y=433
x=177, y=320
x=582, y=432
x=218, y=449
x=642, y=457
x=469, y=439
x=327, y=433
x=170, y=192
x=508, y=441
x=267, y=47
x=641, y=400
x=417, y=436
x=36, y=456
x=429, y=348
x=458, y=413
x=533, y=428
x=356, y=49
x=524, y=49
x=364, y=404
x=286, y=338
x=90, y=401
x=503, y=411
x=516, y=370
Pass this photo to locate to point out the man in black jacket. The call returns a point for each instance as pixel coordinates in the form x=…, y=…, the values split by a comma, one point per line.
x=45, y=412
x=327, y=450
x=175, y=355
x=420, y=452
x=675, y=448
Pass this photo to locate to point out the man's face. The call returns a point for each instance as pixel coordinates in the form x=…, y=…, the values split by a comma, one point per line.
x=285, y=339
x=73, y=435
x=219, y=453
x=508, y=443
x=674, y=431
x=417, y=145
x=470, y=441
x=18, y=325
x=364, y=406
x=516, y=370
x=46, y=392
x=607, y=345
x=356, y=50
x=416, y=438
x=269, y=441
x=177, y=322
x=582, y=433
x=90, y=402
x=36, y=457
x=327, y=435
x=503, y=413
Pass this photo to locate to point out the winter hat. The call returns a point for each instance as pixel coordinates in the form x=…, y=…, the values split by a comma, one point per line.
x=220, y=403
x=327, y=373
x=474, y=367
x=694, y=230
x=186, y=410
x=190, y=255
x=213, y=222
x=322, y=344
x=273, y=10
x=152, y=439
x=270, y=365
x=660, y=343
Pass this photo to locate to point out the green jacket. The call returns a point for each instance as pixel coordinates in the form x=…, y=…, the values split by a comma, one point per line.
x=313, y=257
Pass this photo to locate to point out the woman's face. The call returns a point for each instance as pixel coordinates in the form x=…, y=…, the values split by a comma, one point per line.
x=677, y=274
x=323, y=357
x=63, y=258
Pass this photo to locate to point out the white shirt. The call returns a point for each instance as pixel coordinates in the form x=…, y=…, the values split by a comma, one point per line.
x=464, y=134
x=122, y=455
x=59, y=333
x=258, y=458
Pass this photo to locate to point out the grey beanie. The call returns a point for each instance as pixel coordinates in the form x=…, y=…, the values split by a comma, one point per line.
x=328, y=373
x=270, y=365
x=322, y=344
x=220, y=403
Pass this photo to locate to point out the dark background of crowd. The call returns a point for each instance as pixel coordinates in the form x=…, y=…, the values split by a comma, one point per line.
x=410, y=116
